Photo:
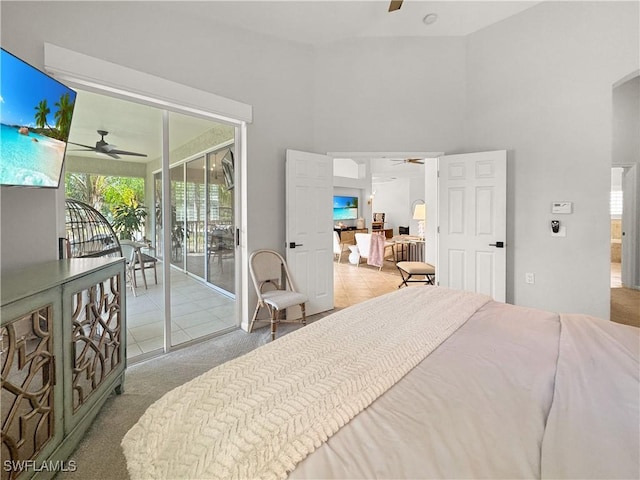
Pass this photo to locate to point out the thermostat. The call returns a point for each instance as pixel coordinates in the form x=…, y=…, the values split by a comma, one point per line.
x=561, y=207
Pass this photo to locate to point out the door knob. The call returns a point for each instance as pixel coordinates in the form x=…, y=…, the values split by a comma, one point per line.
x=497, y=244
x=294, y=244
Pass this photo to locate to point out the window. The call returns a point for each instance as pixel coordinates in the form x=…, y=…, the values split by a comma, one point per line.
x=615, y=203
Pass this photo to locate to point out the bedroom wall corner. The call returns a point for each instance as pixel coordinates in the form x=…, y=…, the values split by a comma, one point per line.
x=545, y=95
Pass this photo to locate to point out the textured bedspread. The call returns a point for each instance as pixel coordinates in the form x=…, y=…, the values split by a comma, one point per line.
x=259, y=415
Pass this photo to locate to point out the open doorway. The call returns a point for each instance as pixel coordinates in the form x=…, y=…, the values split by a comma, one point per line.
x=625, y=202
x=383, y=183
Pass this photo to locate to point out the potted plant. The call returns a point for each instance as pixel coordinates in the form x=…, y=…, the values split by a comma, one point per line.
x=128, y=218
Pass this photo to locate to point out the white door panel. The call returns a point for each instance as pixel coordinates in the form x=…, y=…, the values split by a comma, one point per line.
x=309, y=227
x=472, y=196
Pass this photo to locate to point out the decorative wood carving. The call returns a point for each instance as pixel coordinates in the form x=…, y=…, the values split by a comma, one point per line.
x=97, y=337
x=28, y=378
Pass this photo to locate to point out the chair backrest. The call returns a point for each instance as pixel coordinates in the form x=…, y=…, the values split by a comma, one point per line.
x=128, y=252
x=268, y=267
x=403, y=230
x=336, y=243
x=363, y=241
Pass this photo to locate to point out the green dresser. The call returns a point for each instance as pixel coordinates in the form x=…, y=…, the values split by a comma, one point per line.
x=63, y=352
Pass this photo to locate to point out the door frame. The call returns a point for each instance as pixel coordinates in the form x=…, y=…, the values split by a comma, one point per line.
x=630, y=212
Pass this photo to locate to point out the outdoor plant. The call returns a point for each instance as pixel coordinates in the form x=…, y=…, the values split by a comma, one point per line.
x=128, y=218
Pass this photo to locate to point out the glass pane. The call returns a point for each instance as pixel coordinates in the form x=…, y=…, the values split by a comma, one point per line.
x=221, y=232
x=177, y=215
x=157, y=213
x=196, y=208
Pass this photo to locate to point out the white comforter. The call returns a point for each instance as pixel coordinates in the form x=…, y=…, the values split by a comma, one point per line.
x=513, y=393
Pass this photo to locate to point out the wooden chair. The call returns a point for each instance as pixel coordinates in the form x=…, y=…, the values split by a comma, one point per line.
x=147, y=262
x=274, y=286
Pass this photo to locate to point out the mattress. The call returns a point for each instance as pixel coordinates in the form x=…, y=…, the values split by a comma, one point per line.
x=511, y=392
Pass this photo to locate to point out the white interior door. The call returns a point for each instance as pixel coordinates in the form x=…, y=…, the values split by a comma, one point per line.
x=309, y=184
x=472, y=222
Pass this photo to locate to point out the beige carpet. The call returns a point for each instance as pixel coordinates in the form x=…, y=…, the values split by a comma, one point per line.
x=99, y=455
x=625, y=306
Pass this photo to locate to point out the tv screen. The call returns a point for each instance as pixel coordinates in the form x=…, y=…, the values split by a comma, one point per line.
x=35, y=116
x=345, y=208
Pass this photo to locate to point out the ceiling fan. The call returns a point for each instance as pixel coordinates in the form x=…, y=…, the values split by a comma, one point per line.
x=106, y=148
x=418, y=161
x=395, y=5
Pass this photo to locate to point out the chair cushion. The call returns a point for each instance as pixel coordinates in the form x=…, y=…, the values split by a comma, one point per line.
x=280, y=299
x=417, y=268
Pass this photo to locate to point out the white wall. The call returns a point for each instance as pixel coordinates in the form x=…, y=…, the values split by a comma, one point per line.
x=172, y=41
x=540, y=84
x=390, y=95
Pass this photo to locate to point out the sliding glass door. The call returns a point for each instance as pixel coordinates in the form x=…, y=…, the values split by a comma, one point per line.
x=221, y=244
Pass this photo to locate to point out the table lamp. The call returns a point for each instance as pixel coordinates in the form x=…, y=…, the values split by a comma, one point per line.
x=420, y=214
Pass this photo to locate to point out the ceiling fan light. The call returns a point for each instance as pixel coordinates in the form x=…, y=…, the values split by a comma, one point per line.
x=430, y=18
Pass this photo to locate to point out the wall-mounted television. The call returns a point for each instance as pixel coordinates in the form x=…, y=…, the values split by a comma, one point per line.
x=345, y=208
x=35, y=117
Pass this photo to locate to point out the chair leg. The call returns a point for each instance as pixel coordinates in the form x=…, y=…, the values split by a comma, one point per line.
x=255, y=316
x=155, y=273
x=274, y=319
x=131, y=278
x=304, y=315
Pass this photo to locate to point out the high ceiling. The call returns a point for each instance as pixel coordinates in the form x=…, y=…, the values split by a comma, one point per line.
x=320, y=22
x=137, y=128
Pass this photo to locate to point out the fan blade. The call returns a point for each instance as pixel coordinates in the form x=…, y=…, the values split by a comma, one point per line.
x=81, y=145
x=124, y=152
x=395, y=5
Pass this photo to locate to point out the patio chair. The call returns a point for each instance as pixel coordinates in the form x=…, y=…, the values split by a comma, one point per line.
x=130, y=255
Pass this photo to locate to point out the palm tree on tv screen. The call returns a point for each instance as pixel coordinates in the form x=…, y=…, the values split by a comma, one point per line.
x=63, y=116
x=42, y=110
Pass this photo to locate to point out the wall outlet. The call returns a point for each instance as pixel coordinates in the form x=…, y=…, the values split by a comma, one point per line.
x=530, y=278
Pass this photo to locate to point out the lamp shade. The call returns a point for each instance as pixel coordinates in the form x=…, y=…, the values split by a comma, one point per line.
x=419, y=212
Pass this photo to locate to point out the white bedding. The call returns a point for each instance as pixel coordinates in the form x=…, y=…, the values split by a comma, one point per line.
x=513, y=393
x=257, y=416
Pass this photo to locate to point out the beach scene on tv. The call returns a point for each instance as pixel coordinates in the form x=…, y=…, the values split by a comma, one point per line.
x=345, y=208
x=35, y=117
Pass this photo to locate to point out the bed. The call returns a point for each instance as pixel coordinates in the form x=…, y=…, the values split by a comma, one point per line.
x=425, y=382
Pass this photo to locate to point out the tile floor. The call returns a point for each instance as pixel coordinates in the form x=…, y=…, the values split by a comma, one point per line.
x=197, y=310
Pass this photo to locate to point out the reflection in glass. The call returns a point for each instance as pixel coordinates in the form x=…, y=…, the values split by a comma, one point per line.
x=220, y=220
x=178, y=232
x=195, y=211
x=157, y=186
